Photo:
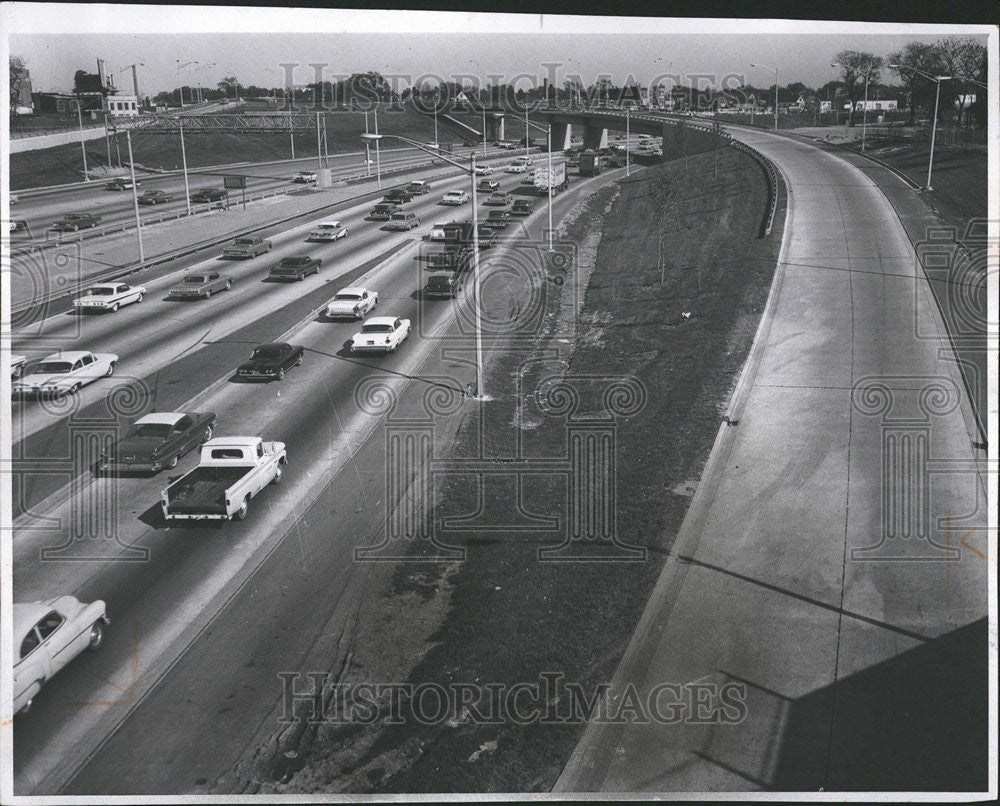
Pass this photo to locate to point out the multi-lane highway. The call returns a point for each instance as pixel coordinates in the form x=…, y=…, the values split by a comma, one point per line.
x=164, y=586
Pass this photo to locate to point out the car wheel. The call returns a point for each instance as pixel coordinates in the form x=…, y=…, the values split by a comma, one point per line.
x=73, y=389
x=207, y=435
x=35, y=688
x=301, y=277
x=277, y=476
x=241, y=513
x=281, y=374
x=18, y=372
x=114, y=308
x=111, y=369
x=208, y=293
x=138, y=298
x=96, y=635
x=172, y=464
x=229, y=284
x=76, y=228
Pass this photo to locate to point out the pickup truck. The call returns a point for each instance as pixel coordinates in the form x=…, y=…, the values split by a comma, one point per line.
x=232, y=470
x=246, y=247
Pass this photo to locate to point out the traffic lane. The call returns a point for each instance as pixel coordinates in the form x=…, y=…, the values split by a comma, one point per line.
x=188, y=566
x=303, y=605
x=196, y=319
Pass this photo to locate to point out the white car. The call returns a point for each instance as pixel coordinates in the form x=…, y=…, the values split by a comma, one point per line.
x=328, y=231
x=109, y=296
x=455, y=197
x=484, y=170
x=47, y=636
x=381, y=334
x=305, y=177
x=17, y=363
x=516, y=168
x=64, y=373
x=351, y=303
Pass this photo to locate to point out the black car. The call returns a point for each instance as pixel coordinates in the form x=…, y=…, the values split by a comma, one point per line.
x=498, y=219
x=487, y=237
x=398, y=196
x=522, y=207
x=76, y=221
x=210, y=195
x=295, y=268
x=157, y=440
x=154, y=197
x=271, y=360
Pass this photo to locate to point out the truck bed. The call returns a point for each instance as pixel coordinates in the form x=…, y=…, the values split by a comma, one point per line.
x=203, y=490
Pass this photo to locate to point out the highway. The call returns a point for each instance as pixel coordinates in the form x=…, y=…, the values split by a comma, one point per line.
x=169, y=589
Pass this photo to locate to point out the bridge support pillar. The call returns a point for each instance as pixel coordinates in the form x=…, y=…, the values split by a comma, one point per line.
x=561, y=133
x=595, y=137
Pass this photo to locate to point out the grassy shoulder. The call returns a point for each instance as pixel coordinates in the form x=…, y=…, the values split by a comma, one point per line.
x=675, y=282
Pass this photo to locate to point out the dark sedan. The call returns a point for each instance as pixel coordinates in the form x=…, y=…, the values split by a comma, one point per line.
x=295, y=268
x=522, y=207
x=155, y=197
x=210, y=195
x=76, y=221
x=158, y=440
x=398, y=196
x=271, y=360
x=497, y=219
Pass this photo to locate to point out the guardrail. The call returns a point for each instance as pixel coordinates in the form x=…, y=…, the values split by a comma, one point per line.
x=772, y=183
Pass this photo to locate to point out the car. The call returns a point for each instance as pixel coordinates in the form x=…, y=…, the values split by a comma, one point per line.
x=64, y=373
x=398, y=196
x=48, y=635
x=443, y=284
x=403, y=221
x=121, y=183
x=507, y=145
x=18, y=225
x=271, y=360
x=305, y=177
x=528, y=180
x=200, y=284
x=353, y=302
x=516, y=168
x=499, y=197
x=487, y=237
x=210, y=195
x=497, y=219
x=247, y=246
x=487, y=186
x=381, y=334
x=383, y=211
x=157, y=440
x=297, y=267
x=418, y=187
x=455, y=197
x=484, y=170
x=522, y=207
x=328, y=231
x=155, y=197
x=17, y=363
x=76, y=221
x=109, y=296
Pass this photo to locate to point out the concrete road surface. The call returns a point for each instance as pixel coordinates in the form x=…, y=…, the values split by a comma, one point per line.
x=820, y=623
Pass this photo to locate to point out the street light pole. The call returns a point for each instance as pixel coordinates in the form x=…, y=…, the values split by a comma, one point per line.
x=135, y=197
x=378, y=157
x=628, y=142
x=937, y=97
x=184, y=162
x=548, y=138
x=775, y=69
x=864, y=114
x=83, y=146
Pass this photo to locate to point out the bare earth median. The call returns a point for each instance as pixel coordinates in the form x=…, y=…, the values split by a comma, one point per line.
x=677, y=313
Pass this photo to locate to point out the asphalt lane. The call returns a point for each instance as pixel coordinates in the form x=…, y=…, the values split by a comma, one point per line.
x=818, y=552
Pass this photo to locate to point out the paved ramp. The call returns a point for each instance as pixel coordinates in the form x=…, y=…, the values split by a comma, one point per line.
x=820, y=622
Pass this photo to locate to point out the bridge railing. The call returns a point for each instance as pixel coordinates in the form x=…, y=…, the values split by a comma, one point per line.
x=773, y=187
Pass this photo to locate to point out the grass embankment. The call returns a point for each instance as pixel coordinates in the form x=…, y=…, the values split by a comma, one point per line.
x=677, y=283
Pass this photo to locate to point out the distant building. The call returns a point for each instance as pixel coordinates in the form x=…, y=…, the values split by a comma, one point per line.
x=22, y=103
x=65, y=103
x=879, y=105
x=122, y=106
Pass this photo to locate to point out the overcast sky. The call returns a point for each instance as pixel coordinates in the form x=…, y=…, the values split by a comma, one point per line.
x=410, y=44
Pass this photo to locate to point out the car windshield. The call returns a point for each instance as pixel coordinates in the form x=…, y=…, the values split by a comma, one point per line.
x=99, y=292
x=293, y=262
x=399, y=217
x=376, y=328
x=194, y=279
x=243, y=242
x=149, y=431
x=267, y=353
x=72, y=217
x=327, y=226
x=347, y=297
x=54, y=367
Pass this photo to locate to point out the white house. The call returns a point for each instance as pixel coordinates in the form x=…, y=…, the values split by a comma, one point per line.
x=873, y=105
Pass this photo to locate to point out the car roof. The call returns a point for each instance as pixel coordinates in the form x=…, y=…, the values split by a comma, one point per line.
x=105, y=285
x=328, y=224
x=68, y=355
x=352, y=289
x=281, y=344
x=161, y=418
x=381, y=320
x=27, y=614
x=219, y=442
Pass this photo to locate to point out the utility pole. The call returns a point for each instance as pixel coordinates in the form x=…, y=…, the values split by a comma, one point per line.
x=135, y=198
x=480, y=391
x=184, y=161
x=83, y=147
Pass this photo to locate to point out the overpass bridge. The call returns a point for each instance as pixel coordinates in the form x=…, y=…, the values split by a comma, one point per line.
x=679, y=132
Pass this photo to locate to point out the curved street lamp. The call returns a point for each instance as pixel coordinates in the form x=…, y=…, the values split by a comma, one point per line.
x=775, y=69
x=937, y=96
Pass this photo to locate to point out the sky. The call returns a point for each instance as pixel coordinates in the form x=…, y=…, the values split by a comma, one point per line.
x=411, y=45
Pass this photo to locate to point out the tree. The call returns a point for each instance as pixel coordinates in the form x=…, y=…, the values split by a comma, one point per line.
x=229, y=84
x=856, y=69
x=962, y=58
x=19, y=81
x=923, y=57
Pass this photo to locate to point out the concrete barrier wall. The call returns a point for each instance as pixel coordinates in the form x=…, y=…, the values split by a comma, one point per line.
x=22, y=144
x=682, y=139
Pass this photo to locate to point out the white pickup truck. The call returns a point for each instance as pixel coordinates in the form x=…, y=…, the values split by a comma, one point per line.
x=232, y=470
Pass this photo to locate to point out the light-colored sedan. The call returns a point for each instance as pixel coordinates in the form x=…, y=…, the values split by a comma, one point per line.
x=328, y=231
x=455, y=197
x=516, y=168
x=17, y=363
x=109, y=296
x=484, y=170
x=351, y=303
x=305, y=177
x=381, y=334
x=47, y=636
x=64, y=373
